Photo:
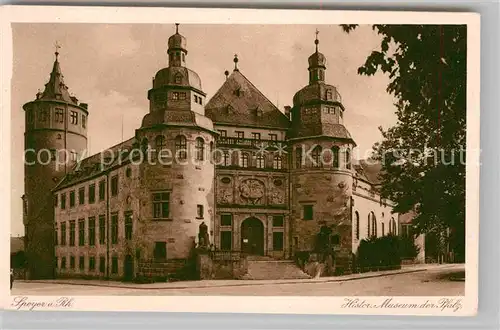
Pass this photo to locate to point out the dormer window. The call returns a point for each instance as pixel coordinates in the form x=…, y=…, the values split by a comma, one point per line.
x=258, y=112
x=238, y=92
x=178, y=78
x=329, y=94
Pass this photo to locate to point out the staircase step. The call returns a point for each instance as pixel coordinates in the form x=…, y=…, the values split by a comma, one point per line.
x=273, y=270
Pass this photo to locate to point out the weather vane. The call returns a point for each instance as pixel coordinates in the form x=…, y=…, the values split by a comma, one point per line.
x=57, y=46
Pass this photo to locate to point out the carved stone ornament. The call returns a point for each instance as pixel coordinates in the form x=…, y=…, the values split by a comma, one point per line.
x=342, y=185
x=252, y=191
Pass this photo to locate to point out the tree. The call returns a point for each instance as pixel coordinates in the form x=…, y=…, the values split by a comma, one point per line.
x=423, y=155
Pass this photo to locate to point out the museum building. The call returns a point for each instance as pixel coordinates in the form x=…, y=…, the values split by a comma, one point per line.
x=262, y=181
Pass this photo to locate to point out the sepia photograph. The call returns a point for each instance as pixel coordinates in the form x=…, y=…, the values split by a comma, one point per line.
x=195, y=159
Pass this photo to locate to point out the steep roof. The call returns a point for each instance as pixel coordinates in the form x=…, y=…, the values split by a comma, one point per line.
x=369, y=171
x=92, y=166
x=55, y=88
x=239, y=102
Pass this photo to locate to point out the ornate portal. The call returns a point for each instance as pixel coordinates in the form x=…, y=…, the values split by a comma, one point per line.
x=252, y=191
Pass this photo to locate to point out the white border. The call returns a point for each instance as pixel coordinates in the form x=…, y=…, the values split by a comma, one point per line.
x=225, y=304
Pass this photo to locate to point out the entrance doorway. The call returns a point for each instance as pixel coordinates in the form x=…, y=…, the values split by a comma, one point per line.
x=128, y=271
x=252, y=236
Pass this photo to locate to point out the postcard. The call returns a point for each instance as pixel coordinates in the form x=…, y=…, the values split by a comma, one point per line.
x=255, y=161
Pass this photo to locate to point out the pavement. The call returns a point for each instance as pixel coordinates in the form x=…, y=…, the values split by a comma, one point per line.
x=428, y=280
x=453, y=268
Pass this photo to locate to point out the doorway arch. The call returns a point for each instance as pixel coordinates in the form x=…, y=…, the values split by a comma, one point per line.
x=252, y=236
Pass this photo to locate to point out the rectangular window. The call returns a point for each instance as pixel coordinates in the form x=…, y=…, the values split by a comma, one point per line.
x=199, y=211
x=74, y=117
x=114, y=265
x=92, y=263
x=160, y=251
x=255, y=136
x=63, y=263
x=91, y=193
x=175, y=96
x=308, y=212
x=383, y=229
x=63, y=233
x=273, y=137
x=114, y=185
x=223, y=133
x=128, y=225
x=226, y=219
x=59, y=115
x=56, y=238
x=81, y=232
x=277, y=221
x=102, y=190
x=44, y=115
x=84, y=121
x=114, y=228
x=161, y=205
x=226, y=240
x=72, y=226
x=63, y=201
x=102, y=265
x=102, y=229
x=92, y=231
x=226, y=159
x=72, y=262
x=71, y=198
x=278, y=241
x=81, y=196
x=240, y=135
x=81, y=263
x=182, y=95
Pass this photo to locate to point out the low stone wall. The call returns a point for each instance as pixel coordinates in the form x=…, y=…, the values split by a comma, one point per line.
x=317, y=265
x=210, y=268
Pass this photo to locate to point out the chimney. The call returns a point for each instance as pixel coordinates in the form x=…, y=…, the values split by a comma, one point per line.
x=288, y=111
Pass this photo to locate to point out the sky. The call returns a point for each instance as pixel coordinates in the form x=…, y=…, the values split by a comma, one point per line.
x=110, y=67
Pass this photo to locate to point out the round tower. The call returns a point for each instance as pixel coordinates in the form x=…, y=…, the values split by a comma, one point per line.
x=321, y=172
x=177, y=174
x=55, y=137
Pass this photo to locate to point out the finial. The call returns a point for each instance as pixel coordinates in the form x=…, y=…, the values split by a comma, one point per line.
x=57, y=46
x=316, y=42
x=226, y=73
x=235, y=62
x=176, y=27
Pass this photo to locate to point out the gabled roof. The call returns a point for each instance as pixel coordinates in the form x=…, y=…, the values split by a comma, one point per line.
x=92, y=166
x=239, y=102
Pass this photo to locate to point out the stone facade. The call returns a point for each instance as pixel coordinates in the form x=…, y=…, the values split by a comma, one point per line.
x=260, y=181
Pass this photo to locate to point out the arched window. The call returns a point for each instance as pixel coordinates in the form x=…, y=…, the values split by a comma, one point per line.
x=181, y=147
x=392, y=227
x=372, y=225
x=347, y=159
x=383, y=229
x=335, y=157
x=277, y=162
x=260, y=160
x=244, y=160
x=298, y=158
x=356, y=216
x=316, y=156
x=144, y=145
x=200, y=148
